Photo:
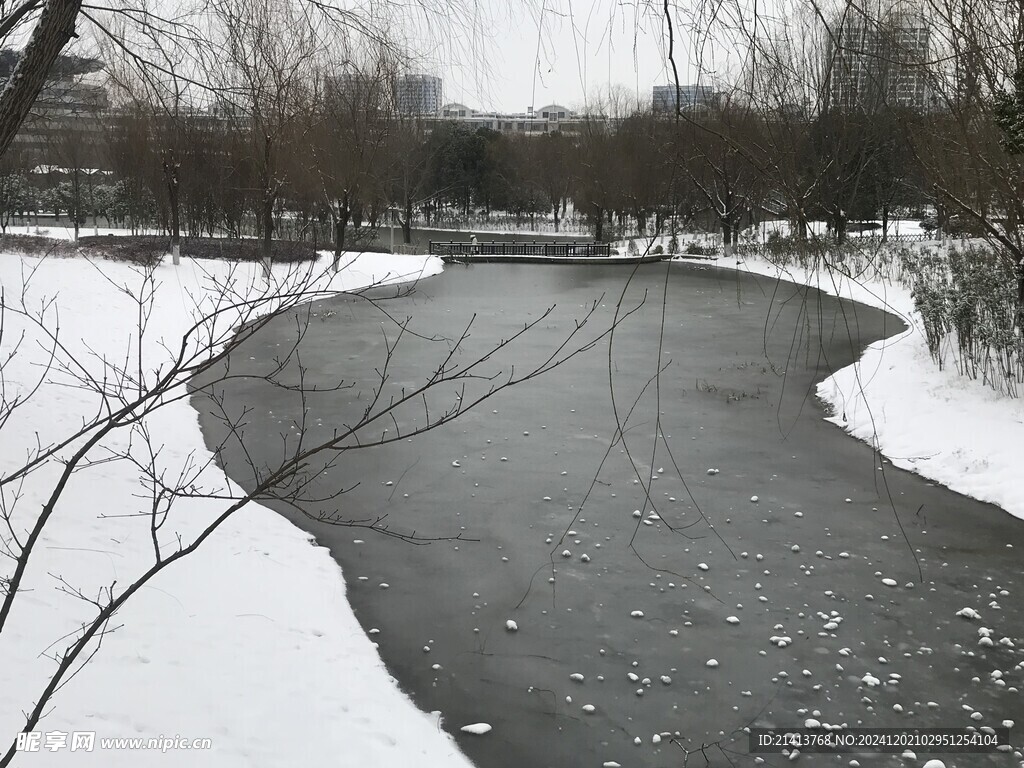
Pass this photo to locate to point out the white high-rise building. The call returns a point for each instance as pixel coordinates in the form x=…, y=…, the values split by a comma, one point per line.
x=418, y=94
x=876, y=62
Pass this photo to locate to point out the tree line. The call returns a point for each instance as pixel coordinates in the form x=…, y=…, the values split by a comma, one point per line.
x=348, y=158
x=299, y=142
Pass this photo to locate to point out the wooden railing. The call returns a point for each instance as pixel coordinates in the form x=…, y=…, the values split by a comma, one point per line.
x=519, y=248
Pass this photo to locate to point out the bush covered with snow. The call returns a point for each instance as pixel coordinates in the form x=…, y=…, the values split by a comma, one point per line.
x=151, y=248
x=969, y=305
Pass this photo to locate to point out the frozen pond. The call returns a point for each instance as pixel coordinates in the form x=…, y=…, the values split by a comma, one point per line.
x=809, y=598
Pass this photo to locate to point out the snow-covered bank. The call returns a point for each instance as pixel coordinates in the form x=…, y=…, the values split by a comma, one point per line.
x=943, y=426
x=64, y=231
x=250, y=642
x=783, y=228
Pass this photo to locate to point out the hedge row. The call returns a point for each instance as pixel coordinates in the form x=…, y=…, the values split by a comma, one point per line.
x=144, y=249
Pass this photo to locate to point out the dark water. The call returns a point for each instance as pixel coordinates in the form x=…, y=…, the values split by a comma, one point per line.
x=541, y=470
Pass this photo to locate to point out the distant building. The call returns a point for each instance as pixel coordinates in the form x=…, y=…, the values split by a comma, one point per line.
x=418, y=94
x=878, y=62
x=73, y=102
x=669, y=98
x=72, y=98
x=548, y=119
x=72, y=86
x=456, y=111
x=225, y=108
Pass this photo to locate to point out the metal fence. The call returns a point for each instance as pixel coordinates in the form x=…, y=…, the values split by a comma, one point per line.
x=519, y=248
x=916, y=237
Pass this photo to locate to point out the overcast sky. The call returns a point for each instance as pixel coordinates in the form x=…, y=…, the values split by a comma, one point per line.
x=507, y=55
x=553, y=51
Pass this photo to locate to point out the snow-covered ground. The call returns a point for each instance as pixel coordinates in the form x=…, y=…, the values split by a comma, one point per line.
x=250, y=642
x=945, y=427
x=783, y=228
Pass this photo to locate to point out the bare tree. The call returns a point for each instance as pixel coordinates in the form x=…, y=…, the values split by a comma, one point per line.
x=970, y=148
x=16, y=196
x=352, y=124
x=721, y=171
x=270, y=55
x=73, y=151
x=552, y=170
x=594, y=182
x=407, y=170
x=644, y=148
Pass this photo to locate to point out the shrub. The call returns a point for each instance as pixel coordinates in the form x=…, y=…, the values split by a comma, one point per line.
x=778, y=244
x=35, y=245
x=961, y=226
x=147, y=248
x=968, y=305
x=696, y=249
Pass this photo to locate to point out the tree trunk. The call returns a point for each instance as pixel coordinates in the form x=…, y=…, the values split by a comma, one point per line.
x=340, y=225
x=76, y=202
x=268, y=232
x=53, y=30
x=598, y=224
x=1020, y=293
x=407, y=222
x=171, y=176
x=555, y=212
x=269, y=194
x=885, y=223
x=339, y=241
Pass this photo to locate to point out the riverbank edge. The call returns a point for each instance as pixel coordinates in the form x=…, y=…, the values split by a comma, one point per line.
x=945, y=427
